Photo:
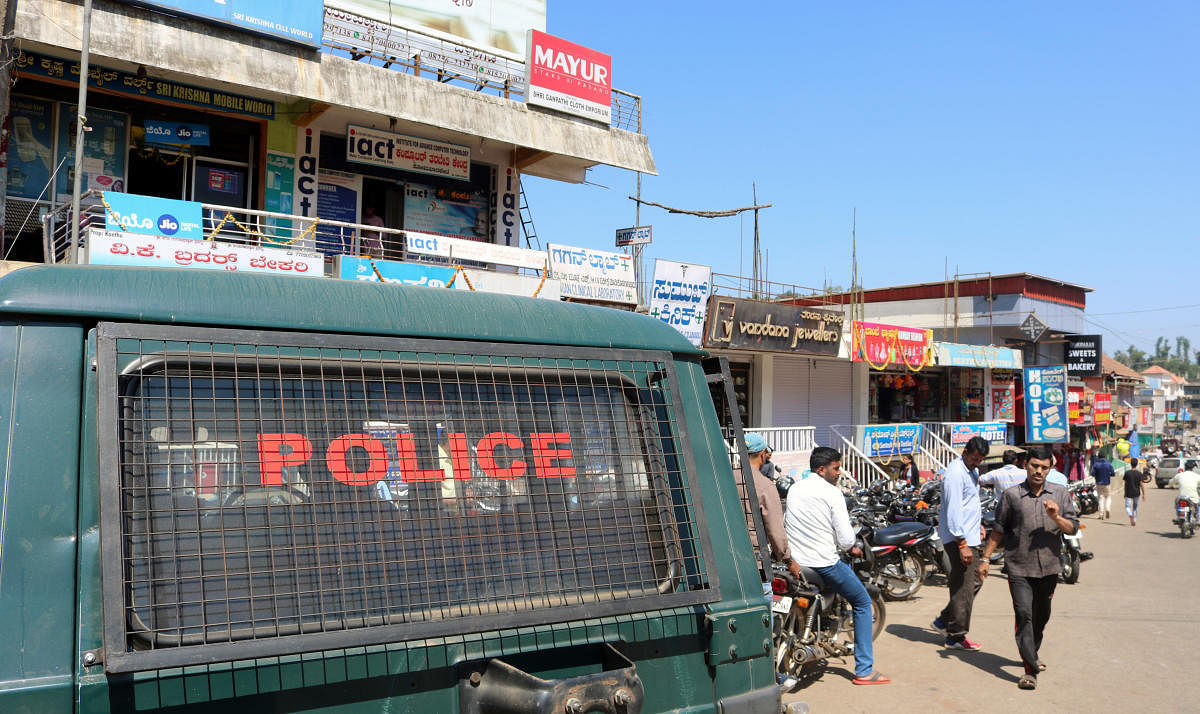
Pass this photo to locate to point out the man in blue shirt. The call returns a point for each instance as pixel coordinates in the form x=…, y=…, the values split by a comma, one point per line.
x=1103, y=472
x=961, y=529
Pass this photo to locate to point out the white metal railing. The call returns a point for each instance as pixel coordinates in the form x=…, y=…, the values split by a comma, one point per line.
x=858, y=469
x=934, y=445
x=788, y=438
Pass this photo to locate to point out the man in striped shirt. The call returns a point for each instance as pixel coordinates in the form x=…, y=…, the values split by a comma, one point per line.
x=1007, y=476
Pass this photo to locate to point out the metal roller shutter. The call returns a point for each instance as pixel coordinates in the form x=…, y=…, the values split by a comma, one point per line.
x=789, y=393
x=829, y=397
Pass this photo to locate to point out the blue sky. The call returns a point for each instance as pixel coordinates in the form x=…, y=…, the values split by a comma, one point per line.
x=1054, y=138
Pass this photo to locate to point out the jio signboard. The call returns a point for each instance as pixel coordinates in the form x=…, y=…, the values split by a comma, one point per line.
x=1046, y=405
x=153, y=216
x=568, y=77
x=175, y=133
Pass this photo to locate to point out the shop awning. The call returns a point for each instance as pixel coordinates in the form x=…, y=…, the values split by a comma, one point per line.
x=953, y=354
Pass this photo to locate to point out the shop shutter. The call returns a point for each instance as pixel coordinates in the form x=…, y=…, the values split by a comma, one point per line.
x=790, y=392
x=830, y=397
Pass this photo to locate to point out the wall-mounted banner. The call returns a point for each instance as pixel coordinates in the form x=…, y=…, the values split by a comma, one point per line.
x=679, y=296
x=491, y=25
x=1046, y=405
x=638, y=235
x=1083, y=355
x=1103, y=409
x=429, y=209
x=890, y=439
x=338, y=198
x=459, y=249
x=994, y=433
x=568, y=77
x=1074, y=405
x=1004, y=403
x=881, y=345
x=296, y=21
x=153, y=216
x=490, y=281
x=393, y=271
x=365, y=145
x=506, y=210
x=1143, y=416
x=30, y=147
x=33, y=64
x=281, y=176
x=104, y=151
x=595, y=275
x=170, y=132
x=107, y=247
x=950, y=354
x=752, y=325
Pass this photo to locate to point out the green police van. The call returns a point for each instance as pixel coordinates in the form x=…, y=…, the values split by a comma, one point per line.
x=226, y=492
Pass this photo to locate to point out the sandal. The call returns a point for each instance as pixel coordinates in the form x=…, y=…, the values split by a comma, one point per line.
x=1027, y=681
x=872, y=678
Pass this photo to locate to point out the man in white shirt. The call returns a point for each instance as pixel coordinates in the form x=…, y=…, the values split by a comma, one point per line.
x=818, y=527
x=1188, y=483
x=1006, y=476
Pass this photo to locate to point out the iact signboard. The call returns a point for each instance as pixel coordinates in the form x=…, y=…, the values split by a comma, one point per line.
x=153, y=216
x=568, y=77
x=365, y=145
x=169, y=132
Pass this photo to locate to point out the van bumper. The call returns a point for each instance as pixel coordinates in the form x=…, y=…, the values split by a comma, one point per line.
x=768, y=700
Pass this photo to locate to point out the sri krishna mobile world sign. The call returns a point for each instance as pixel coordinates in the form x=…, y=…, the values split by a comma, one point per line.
x=296, y=21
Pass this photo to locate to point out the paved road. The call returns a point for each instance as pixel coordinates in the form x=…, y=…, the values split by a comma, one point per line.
x=1114, y=642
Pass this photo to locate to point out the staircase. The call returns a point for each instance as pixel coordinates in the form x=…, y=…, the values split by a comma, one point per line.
x=934, y=448
x=531, y=239
x=858, y=471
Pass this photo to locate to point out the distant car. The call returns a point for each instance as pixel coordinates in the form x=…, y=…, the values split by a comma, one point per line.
x=1167, y=468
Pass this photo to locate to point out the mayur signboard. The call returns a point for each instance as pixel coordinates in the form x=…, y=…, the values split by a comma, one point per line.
x=771, y=327
x=568, y=77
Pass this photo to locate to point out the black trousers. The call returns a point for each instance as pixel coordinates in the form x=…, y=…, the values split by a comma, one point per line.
x=964, y=584
x=1031, y=604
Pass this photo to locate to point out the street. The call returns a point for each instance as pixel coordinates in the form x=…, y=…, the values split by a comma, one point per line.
x=1122, y=639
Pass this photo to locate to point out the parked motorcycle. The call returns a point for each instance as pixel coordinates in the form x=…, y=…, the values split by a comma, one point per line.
x=1185, y=517
x=899, y=569
x=1072, y=555
x=1085, y=498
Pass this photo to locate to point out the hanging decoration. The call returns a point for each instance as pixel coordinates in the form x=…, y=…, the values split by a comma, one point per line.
x=882, y=345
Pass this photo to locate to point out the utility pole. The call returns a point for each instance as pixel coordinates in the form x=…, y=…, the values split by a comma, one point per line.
x=757, y=269
x=81, y=128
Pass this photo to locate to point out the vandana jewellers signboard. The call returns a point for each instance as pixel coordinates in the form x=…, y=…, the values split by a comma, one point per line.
x=1083, y=355
x=771, y=327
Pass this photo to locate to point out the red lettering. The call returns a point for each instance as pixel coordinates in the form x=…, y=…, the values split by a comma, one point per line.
x=460, y=457
x=486, y=451
x=544, y=456
x=406, y=448
x=272, y=460
x=335, y=459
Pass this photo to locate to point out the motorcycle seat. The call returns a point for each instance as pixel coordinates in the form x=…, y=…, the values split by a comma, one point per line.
x=900, y=533
x=814, y=578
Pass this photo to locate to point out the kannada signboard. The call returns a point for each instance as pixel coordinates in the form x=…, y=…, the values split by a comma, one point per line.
x=296, y=21
x=1102, y=414
x=1046, y=405
x=1033, y=327
x=994, y=433
x=1083, y=355
x=169, y=217
x=950, y=354
x=107, y=247
x=638, y=235
x=365, y=145
x=593, y=275
x=882, y=345
x=497, y=26
x=890, y=440
x=568, y=77
x=680, y=295
x=393, y=271
x=738, y=324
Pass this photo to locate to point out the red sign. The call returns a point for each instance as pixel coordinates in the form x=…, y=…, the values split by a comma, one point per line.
x=1074, y=402
x=568, y=77
x=883, y=345
x=279, y=451
x=1003, y=406
x=1102, y=414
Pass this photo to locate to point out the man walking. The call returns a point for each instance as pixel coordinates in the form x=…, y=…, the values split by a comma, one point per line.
x=961, y=529
x=1102, y=472
x=818, y=526
x=1135, y=489
x=1031, y=520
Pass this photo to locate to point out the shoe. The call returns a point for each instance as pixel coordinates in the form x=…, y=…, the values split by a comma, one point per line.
x=961, y=644
x=786, y=682
x=872, y=678
x=1027, y=681
x=938, y=625
x=1041, y=666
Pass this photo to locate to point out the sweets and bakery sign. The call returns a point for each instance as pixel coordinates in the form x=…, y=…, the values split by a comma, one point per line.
x=752, y=325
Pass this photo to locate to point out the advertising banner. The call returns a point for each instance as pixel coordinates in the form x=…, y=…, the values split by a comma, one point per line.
x=950, y=354
x=1103, y=410
x=680, y=295
x=459, y=249
x=296, y=21
x=882, y=345
x=1083, y=355
x=587, y=274
x=170, y=132
x=1075, y=405
x=733, y=323
x=365, y=145
x=30, y=147
x=891, y=440
x=1004, y=407
x=1046, y=405
x=1143, y=416
x=489, y=281
x=568, y=77
x=497, y=26
x=149, y=87
x=438, y=210
x=994, y=433
x=103, y=151
x=153, y=216
x=638, y=235
x=107, y=247
x=337, y=200
x=393, y=271
x=281, y=175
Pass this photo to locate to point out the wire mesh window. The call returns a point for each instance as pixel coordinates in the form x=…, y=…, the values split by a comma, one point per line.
x=273, y=490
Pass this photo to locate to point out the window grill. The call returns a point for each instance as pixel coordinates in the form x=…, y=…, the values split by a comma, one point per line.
x=266, y=493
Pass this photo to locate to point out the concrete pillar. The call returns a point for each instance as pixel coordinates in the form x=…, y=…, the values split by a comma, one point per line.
x=763, y=376
x=860, y=380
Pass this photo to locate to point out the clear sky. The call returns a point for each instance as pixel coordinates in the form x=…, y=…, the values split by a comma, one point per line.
x=1058, y=138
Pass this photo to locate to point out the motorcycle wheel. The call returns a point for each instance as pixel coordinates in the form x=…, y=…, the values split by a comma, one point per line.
x=786, y=634
x=901, y=578
x=879, y=613
x=1070, y=567
x=1184, y=530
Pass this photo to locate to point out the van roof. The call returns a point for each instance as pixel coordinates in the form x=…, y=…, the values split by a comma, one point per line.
x=213, y=298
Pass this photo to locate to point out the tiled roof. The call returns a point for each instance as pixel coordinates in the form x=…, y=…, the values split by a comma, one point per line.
x=1109, y=365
